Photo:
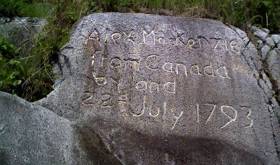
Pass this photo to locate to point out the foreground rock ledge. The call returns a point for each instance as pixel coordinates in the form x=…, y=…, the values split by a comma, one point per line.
x=144, y=89
x=30, y=133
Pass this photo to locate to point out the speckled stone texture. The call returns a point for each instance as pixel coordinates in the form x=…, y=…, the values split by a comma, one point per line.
x=146, y=89
x=30, y=134
x=33, y=135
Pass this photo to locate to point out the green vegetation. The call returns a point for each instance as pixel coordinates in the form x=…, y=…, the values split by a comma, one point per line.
x=11, y=8
x=17, y=76
x=10, y=73
x=31, y=77
x=264, y=13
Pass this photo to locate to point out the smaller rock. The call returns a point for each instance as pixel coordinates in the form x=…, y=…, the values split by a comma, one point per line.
x=253, y=28
x=273, y=62
x=276, y=38
x=272, y=56
x=265, y=49
x=4, y=20
x=266, y=80
x=269, y=41
x=265, y=30
x=31, y=134
x=259, y=44
x=261, y=34
x=21, y=31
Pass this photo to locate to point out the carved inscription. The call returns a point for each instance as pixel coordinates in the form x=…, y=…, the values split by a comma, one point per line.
x=172, y=35
x=127, y=37
x=227, y=112
x=108, y=73
x=146, y=109
x=152, y=62
x=156, y=64
x=153, y=87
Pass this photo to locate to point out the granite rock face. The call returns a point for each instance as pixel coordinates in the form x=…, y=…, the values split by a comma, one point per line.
x=145, y=89
x=168, y=90
x=31, y=134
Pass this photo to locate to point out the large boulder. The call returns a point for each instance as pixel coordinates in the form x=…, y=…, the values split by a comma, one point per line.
x=144, y=89
x=167, y=90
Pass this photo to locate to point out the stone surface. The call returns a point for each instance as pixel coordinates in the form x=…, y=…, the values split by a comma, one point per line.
x=260, y=33
x=145, y=89
x=30, y=134
x=273, y=62
x=21, y=31
x=259, y=44
x=264, y=51
x=270, y=42
x=266, y=30
x=167, y=90
x=270, y=54
x=33, y=135
x=276, y=38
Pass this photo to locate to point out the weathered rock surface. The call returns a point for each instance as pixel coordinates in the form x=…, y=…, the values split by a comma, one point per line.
x=269, y=50
x=32, y=135
x=21, y=31
x=144, y=89
x=166, y=89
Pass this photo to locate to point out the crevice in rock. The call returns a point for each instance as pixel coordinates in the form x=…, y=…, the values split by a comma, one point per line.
x=258, y=74
x=96, y=150
x=265, y=68
x=274, y=90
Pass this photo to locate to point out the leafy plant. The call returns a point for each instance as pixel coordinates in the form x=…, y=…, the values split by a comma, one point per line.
x=11, y=67
x=40, y=78
x=12, y=8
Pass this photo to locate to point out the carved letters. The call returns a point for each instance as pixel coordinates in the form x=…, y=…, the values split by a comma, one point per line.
x=154, y=36
x=153, y=62
x=153, y=87
x=224, y=116
x=147, y=109
x=227, y=112
x=127, y=37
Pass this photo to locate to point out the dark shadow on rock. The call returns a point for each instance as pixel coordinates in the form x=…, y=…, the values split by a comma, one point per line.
x=200, y=151
x=139, y=147
x=3, y=157
x=94, y=147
